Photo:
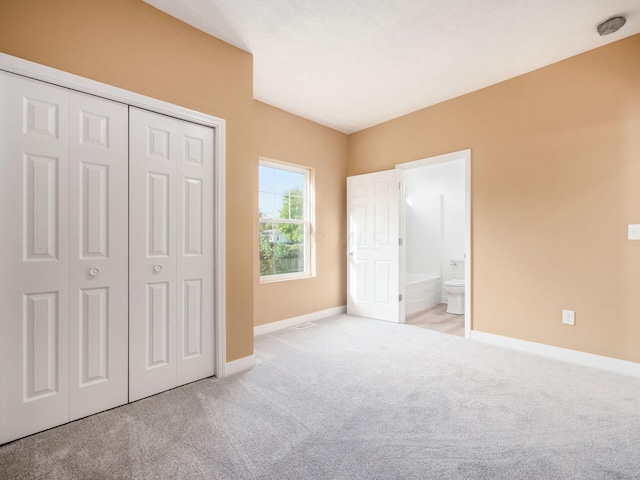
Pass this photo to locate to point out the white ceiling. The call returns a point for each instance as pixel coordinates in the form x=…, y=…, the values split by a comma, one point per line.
x=351, y=64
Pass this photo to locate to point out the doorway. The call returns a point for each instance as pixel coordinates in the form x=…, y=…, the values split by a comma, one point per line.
x=435, y=258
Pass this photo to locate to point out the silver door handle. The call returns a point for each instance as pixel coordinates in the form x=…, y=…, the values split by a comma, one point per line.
x=157, y=268
x=351, y=254
x=94, y=271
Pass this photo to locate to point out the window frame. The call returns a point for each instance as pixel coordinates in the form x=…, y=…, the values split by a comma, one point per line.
x=307, y=221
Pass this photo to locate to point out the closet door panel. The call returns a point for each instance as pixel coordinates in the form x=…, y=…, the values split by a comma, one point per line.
x=98, y=254
x=153, y=150
x=171, y=253
x=195, y=335
x=34, y=293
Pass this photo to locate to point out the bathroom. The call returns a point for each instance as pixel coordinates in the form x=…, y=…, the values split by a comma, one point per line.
x=435, y=225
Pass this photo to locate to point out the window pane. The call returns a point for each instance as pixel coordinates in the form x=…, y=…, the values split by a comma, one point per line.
x=296, y=181
x=281, y=181
x=296, y=207
x=266, y=248
x=291, y=232
x=266, y=205
x=282, y=206
x=281, y=248
x=266, y=179
x=290, y=206
x=265, y=228
x=288, y=255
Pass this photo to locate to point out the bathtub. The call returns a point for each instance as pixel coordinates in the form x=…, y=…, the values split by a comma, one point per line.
x=421, y=292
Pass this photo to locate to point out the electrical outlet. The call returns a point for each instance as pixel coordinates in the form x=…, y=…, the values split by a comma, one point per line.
x=568, y=317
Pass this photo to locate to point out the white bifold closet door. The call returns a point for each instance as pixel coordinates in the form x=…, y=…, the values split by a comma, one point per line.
x=63, y=268
x=171, y=339
x=99, y=249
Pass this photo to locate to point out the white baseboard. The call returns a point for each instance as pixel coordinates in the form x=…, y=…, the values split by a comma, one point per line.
x=573, y=356
x=239, y=365
x=292, y=322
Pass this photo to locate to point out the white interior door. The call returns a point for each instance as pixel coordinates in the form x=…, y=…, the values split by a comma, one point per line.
x=99, y=254
x=171, y=253
x=373, y=243
x=34, y=284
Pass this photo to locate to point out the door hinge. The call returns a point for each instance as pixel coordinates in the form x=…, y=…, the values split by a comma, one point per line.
x=400, y=297
x=400, y=242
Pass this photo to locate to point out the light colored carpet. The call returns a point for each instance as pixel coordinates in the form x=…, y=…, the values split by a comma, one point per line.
x=360, y=399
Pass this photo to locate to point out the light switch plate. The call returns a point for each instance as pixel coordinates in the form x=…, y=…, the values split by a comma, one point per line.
x=634, y=232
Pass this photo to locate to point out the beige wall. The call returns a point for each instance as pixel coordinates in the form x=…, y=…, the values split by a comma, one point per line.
x=131, y=45
x=555, y=155
x=555, y=181
x=279, y=135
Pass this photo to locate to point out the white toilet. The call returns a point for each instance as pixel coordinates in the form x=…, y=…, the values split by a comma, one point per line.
x=454, y=289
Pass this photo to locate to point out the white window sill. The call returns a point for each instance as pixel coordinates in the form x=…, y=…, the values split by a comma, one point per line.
x=285, y=277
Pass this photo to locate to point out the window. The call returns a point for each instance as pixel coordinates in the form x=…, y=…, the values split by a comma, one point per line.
x=285, y=221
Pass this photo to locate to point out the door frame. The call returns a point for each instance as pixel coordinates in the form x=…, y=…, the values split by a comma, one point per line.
x=71, y=81
x=459, y=155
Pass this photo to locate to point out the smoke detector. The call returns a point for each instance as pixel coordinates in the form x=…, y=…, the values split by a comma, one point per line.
x=611, y=26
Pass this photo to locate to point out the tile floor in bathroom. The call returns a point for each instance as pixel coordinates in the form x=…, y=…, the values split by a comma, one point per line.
x=436, y=318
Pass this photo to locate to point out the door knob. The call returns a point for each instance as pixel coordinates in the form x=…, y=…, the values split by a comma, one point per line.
x=157, y=268
x=351, y=254
x=94, y=271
